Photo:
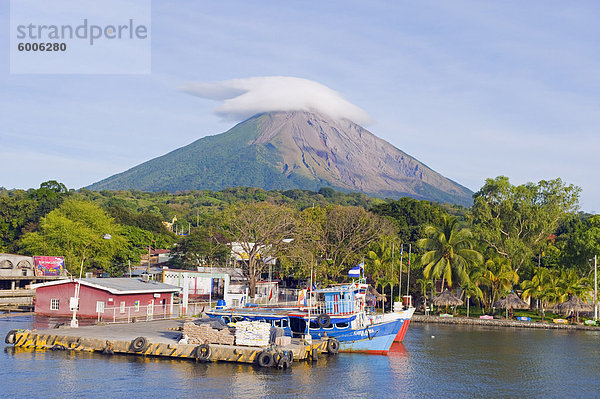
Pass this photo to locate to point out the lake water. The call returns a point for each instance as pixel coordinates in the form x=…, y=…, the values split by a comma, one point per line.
x=434, y=361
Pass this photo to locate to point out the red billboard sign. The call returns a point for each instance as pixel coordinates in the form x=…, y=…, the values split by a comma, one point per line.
x=49, y=265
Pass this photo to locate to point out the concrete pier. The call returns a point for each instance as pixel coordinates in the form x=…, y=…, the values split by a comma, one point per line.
x=160, y=338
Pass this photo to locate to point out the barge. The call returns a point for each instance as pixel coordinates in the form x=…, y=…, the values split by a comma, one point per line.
x=161, y=339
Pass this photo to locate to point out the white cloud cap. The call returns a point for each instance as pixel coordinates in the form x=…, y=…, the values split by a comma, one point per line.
x=243, y=98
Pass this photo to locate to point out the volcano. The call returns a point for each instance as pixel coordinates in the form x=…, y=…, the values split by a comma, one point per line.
x=287, y=150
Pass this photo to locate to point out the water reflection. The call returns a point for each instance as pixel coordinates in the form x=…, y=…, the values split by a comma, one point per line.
x=434, y=361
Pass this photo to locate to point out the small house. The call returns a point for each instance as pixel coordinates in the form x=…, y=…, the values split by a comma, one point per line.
x=104, y=297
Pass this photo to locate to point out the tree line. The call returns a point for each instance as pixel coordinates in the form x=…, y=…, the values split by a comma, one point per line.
x=529, y=237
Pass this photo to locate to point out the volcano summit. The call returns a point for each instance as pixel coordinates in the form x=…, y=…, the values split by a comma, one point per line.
x=286, y=150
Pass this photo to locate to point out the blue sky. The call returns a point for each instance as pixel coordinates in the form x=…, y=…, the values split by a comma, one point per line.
x=473, y=89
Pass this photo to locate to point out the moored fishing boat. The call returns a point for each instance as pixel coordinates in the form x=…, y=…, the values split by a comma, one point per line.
x=340, y=312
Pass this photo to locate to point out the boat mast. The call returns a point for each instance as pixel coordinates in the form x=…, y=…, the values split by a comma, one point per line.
x=391, y=289
x=309, y=292
x=408, y=277
x=400, y=280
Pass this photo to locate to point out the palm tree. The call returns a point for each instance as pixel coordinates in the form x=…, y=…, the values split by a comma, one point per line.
x=449, y=252
x=538, y=287
x=471, y=289
x=499, y=277
x=570, y=283
x=425, y=285
x=381, y=258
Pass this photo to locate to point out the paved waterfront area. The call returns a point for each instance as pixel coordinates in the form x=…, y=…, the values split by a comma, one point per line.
x=155, y=331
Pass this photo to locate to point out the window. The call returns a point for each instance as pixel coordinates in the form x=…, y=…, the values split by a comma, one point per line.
x=122, y=307
x=54, y=304
x=342, y=325
x=99, y=306
x=280, y=323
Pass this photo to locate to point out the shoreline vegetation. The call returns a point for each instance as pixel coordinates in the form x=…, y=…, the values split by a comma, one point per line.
x=515, y=247
x=469, y=321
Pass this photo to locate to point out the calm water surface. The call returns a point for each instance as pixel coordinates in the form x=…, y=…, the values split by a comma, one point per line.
x=434, y=361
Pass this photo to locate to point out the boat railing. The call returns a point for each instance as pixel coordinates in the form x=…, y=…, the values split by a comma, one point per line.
x=337, y=308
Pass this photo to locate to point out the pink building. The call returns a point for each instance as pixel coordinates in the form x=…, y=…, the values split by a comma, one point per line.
x=133, y=296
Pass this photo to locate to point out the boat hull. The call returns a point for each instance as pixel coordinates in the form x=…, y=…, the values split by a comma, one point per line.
x=377, y=338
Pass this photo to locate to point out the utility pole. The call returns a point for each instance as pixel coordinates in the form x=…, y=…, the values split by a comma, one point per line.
x=595, y=287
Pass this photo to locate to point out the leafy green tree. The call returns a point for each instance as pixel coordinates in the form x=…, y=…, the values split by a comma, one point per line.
x=20, y=211
x=516, y=221
x=335, y=239
x=261, y=231
x=411, y=215
x=76, y=230
x=582, y=243
x=207, y=245
x=449, y=252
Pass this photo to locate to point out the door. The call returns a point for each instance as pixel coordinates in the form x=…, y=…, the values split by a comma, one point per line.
x=150, y=310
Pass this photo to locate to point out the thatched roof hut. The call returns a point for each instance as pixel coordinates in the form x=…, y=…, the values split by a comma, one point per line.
x=446, y=299
x=511, y=301
x=574, y=304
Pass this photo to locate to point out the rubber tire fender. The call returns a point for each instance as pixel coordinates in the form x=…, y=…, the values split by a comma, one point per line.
x=315, y=355
x=10, y=337
x=139, y=344
x=333, y=346
x=323, y=320
x=265, y=359
x=283, y=362
x=203, y=352
x=290, y=356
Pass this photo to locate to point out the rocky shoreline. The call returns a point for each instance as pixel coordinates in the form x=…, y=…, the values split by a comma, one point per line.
x=499, y=323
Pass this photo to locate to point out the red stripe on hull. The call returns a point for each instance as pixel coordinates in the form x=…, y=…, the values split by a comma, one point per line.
x=368, y=352
x=402, y=332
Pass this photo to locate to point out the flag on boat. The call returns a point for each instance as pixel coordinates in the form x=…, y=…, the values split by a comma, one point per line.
x=355, y=271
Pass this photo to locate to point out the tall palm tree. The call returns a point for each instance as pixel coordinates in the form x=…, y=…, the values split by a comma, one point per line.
x=471, y=290
x=426, y=284
x=472, y=287
x=449, y=252
x=499, y=277
x=538, y=287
